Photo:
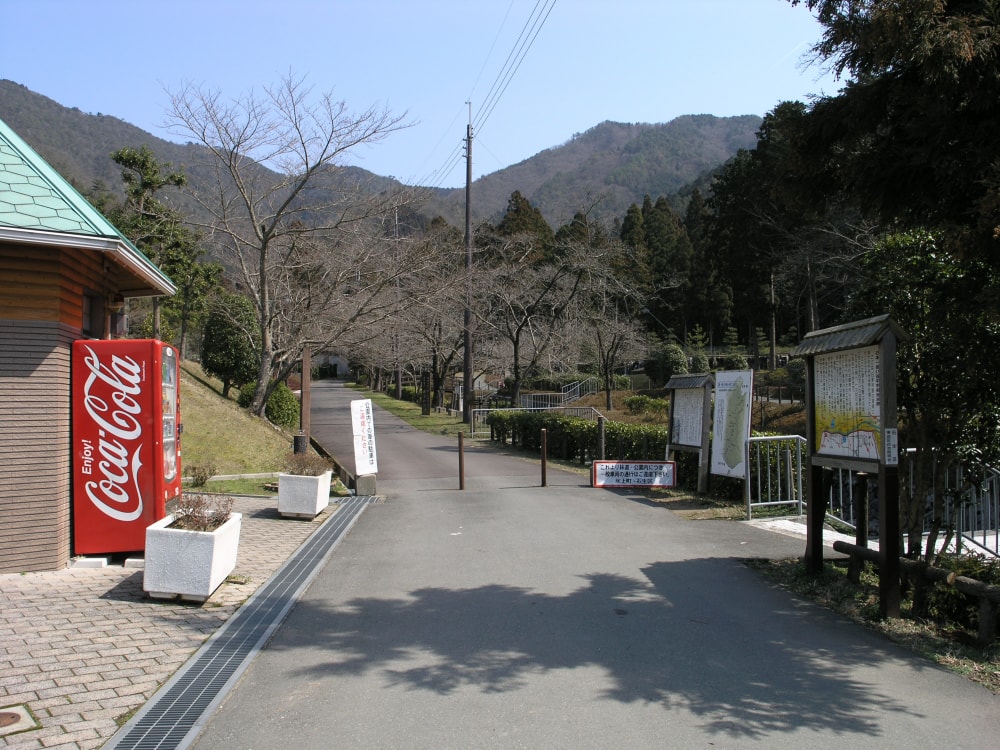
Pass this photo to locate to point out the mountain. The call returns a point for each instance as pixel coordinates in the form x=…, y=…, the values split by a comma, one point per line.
x=610, y=167
x=606, y=168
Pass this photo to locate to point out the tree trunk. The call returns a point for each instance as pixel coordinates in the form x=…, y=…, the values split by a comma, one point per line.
x=259, y=401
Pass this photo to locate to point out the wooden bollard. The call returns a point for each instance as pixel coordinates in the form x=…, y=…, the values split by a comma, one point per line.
x=461, y=460
x=545, y=452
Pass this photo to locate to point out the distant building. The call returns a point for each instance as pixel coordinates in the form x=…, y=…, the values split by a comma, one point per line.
x=65, y=272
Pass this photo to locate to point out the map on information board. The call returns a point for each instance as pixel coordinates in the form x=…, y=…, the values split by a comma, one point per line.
x=848, y=394
x=731, y=423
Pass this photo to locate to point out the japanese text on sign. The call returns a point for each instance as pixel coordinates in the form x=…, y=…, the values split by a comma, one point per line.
x=633, y=474
x=365, y=459
x=848, y=392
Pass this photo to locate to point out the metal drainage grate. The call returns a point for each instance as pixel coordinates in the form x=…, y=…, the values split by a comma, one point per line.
x=173, y=717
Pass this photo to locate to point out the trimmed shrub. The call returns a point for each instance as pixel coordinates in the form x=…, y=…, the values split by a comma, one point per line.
x=733, y=362
x=699, y=362
x=282, y=406
x=642, y=404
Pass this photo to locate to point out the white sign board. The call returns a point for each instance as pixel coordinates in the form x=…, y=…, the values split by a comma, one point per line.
x=689, y=408
x=633, y=474
x=731, y=424
x=365, y=460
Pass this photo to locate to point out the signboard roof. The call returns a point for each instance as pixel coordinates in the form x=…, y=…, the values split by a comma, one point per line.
x=848, y=336
x=690, y=381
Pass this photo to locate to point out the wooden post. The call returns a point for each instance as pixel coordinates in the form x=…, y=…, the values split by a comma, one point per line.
x=704, y=455
x=815, y=494
x=889, y=540
x=545, y=452
x=856, y=564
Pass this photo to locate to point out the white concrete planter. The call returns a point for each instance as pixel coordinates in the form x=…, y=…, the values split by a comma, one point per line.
x=302, y=496
x=189, y=564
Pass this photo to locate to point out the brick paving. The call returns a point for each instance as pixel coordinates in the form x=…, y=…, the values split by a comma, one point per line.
x=84, y=648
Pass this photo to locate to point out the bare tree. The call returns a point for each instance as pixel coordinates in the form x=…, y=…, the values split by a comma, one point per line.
x=609, y=312
x=436, y=325
x=298, y=231
x=524, y=297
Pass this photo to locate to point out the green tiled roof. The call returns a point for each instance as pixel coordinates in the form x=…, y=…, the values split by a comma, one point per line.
x=33, y=196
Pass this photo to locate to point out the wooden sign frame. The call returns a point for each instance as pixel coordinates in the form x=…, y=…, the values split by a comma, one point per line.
x=851, y=424
x=699, y=439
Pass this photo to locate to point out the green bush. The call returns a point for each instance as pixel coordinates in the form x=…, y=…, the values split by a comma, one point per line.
x=282, y=406
x=733, y=362
x=699, y=362
x=246, y=394
x=796, y=371
x=946, y=604
x=641, y=404
x=575, y=438
x=674, y=361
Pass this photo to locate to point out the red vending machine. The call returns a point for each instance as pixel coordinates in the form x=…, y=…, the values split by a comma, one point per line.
x=126, y=453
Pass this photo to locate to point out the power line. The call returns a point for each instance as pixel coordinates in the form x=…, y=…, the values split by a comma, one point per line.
x=524, y=42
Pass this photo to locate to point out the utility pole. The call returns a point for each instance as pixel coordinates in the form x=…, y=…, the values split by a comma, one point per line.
x=468, y=377
x=772, y=358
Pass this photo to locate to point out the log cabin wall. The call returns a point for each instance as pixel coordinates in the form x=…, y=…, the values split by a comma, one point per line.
x=48, y=297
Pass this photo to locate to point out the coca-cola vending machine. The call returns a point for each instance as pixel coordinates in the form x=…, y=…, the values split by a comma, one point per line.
x=126, y=454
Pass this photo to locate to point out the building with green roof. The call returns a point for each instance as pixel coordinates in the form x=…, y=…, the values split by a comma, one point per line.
x=65, y=271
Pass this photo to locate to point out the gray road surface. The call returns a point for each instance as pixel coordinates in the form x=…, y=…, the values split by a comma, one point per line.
x=512, y=616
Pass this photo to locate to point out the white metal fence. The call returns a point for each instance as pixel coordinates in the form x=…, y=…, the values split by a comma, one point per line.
x=775, y=465
x=567, y=395
x=974, y=512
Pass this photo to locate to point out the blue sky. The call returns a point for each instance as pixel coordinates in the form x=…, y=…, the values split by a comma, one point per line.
x=591, y=61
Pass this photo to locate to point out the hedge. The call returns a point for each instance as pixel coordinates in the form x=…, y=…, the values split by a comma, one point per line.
x=575, y=439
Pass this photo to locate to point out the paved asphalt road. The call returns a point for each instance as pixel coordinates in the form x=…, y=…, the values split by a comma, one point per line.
x=513, y=616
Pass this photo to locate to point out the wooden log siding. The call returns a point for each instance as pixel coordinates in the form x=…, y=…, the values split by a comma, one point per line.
x=34, y=445
x=41, y=314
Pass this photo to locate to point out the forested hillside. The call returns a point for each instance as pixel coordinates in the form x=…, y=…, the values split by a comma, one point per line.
x=77, y=144
x=607, y=168
x=610, y=167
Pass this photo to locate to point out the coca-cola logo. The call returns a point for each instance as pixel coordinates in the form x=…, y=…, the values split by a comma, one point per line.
x=110, y=397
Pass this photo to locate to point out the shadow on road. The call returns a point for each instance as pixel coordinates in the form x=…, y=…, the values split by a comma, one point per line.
x=662, y=640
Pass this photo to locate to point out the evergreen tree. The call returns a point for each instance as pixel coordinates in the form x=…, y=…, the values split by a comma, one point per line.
x=913, y=135
x=633, y=235
x=670, y=262
x=229, y=347
x=159, y=232
x=710, y=299
x=521, y=218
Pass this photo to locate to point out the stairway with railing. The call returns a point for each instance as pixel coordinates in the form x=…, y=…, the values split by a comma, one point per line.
x=973, y=513
x=567, y=395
